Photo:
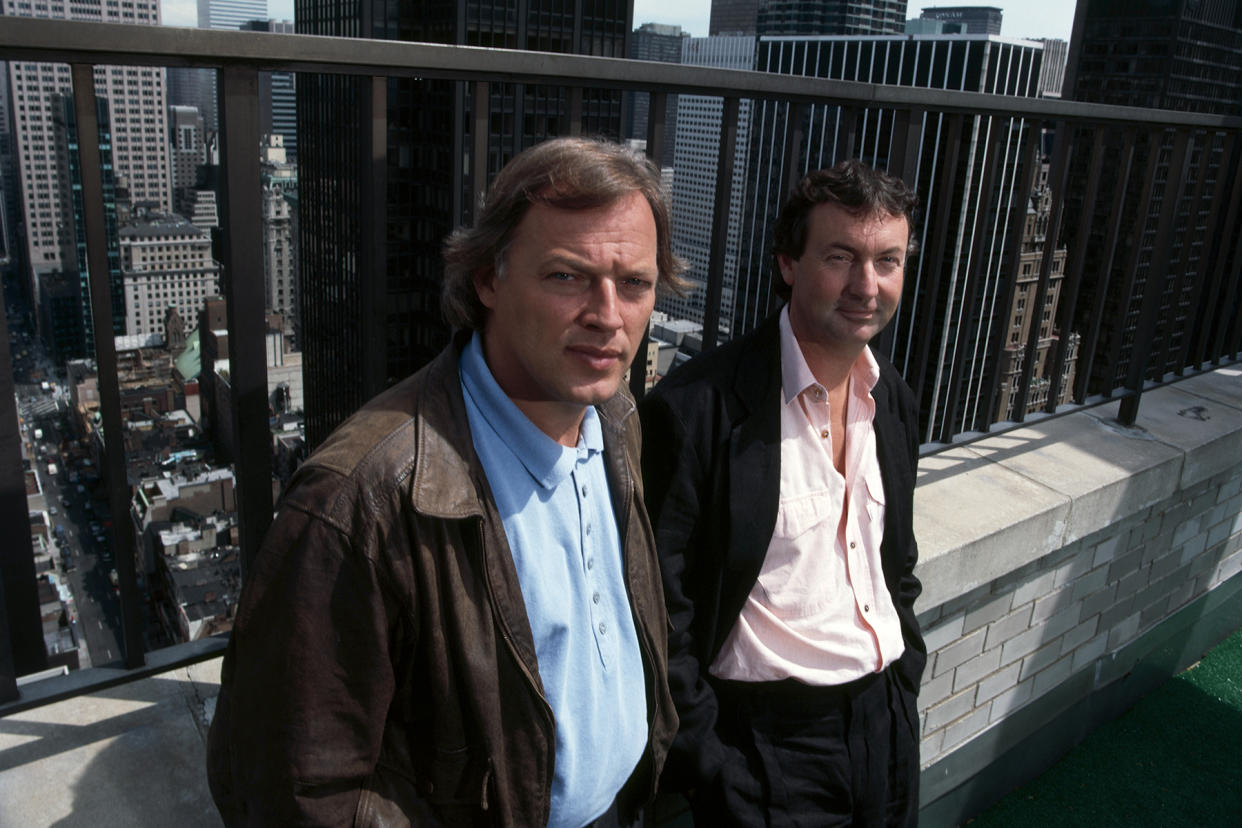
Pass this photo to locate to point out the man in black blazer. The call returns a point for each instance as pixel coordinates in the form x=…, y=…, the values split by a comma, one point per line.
x=780, y=474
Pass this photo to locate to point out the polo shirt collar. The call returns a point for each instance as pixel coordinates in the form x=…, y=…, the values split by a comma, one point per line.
x=547, y=461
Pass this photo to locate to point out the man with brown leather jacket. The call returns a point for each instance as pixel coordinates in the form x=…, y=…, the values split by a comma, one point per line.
x=456, y=617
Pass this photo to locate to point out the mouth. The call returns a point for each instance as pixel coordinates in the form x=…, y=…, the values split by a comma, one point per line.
x=858, y=314
x=598, y=359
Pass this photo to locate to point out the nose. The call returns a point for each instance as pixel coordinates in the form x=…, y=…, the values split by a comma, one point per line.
x=602, y=311
x=865, y=280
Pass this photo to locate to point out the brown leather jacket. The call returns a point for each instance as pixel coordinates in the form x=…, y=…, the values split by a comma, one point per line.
x=381, y=669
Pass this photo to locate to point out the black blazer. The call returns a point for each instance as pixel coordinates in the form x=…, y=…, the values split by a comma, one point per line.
x=711, y=467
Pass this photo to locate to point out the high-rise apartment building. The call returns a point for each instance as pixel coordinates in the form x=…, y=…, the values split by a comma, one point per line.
x=64, y=305
x=986, y=64
x=694, y=182
x=187, y=147
x=1152, y=54
x=278, y=98
x=139, y=141
x=9, y=194
x=831, y=17
x=733, y=17
x=166, y=262
x=197, y=87
x=658, y=42
x=985, y=20
x=370, y=266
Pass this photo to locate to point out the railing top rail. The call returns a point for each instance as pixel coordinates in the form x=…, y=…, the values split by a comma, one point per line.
x=133, y=45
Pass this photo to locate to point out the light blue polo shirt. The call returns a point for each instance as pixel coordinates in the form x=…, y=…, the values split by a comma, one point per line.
x=558, y=518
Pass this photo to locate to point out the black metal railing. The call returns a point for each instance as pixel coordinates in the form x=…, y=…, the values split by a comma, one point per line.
x=1127, y=193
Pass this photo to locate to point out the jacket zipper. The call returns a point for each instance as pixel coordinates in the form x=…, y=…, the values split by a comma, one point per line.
x=506, y=634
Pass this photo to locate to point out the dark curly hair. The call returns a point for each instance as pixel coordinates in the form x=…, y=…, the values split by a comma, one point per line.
x=860, y=189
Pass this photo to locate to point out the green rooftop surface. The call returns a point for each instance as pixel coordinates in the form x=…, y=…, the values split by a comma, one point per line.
x=1173, y=759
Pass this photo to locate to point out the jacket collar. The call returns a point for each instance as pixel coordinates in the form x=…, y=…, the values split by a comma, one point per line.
x=445, y=449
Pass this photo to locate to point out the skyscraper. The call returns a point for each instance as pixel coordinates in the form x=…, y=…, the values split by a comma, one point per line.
x=733, y=17
x=278, y=100
x=694, y=181
x=966, y=19
x=138, y=129
x=197, y=87
x=942, y=287
x=653, y=41
x=1154, y=54
x=370, y=262
x=831, y=17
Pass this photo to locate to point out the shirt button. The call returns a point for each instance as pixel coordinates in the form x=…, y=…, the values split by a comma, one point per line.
x=595, y=598
x=866, y=608
x=852, y=544
x=588, y=529
x=824, y=434
x=584, y=491
x=590, y=563
x=603, y=628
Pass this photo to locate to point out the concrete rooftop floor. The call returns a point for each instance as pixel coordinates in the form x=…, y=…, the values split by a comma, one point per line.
x=132, y=755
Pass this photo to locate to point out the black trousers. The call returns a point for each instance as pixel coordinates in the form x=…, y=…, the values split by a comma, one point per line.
x=815, y=756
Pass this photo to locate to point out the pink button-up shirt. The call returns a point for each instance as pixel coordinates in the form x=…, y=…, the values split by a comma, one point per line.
x=820, y=611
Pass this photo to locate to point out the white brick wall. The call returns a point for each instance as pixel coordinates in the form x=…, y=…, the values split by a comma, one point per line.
x=1086, y=536
x=1014, y=639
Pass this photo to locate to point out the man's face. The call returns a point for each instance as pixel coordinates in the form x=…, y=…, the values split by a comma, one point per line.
x=847, y=283
x=570, y=310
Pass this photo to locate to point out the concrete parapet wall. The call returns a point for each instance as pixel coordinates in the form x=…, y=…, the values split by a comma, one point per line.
x=1047, y=552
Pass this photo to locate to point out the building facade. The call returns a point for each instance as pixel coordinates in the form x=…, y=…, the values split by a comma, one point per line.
x=985, y=20
x=166, y=262
x=694, y=182
x=370, y=265
x=831, y=17
x=1154, y=54
x=658, y=42
x=139, y=143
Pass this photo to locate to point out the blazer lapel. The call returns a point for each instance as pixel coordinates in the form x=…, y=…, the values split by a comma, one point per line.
x=755, y=455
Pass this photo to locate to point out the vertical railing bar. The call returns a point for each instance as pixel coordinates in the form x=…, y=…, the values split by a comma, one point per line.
x=1211, y=347
x=932, y=260
x=978, y=272
x=373, y=230
x=114, y=474
x=1074, y=266
x=720, y=222
x=657, y=126
x=1087, y=348
x=796, y=162
x=1197, y=285
x=1057, y=177
x=1152, y=289
x=478, y=149
x=1130, y=268
x=656, y=106
x=846, y=134
x=575, y=110
x=1027, y=162
x=242, y=221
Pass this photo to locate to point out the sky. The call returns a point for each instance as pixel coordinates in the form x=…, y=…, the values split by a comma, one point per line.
x=1022, y=18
